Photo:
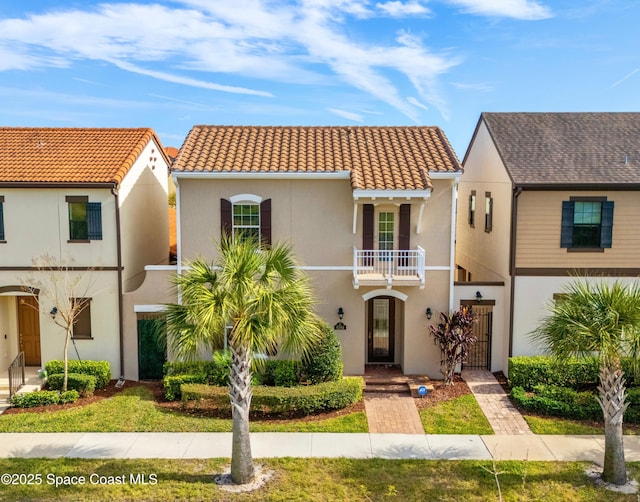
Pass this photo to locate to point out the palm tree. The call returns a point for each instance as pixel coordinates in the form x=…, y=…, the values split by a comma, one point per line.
x=267, y=303
x=599, y=320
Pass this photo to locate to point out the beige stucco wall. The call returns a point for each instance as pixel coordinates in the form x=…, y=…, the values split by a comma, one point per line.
x=37, y=222
x=143, y=216
x=484, y=254
x=316, y=218
x=533, y=297
x=156, y=290
x=539, y=226
x=500, y=333
x=100, y=286
x=8, y=330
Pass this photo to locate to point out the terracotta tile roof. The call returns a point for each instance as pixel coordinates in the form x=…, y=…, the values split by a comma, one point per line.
x=568, y=148
x=378, y=158
x=66, y=155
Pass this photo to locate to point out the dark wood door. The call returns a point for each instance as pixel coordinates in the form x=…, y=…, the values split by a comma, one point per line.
x=29, y=330
x=381, y=313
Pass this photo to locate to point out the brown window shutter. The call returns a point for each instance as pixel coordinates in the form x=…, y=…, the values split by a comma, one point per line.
x=404, y=228
x=226, y=217
x=367, y=227
x=404, y=234
x=265, y=222
x=367, y=232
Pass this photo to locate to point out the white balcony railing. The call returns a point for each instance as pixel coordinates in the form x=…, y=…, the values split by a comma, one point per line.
x=386, y=267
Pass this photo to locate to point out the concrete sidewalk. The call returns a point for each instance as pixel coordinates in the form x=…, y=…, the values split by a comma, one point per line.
x=125, y=445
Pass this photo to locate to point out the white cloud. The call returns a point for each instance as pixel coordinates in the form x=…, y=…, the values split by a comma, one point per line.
x=176, y=79
x=628, y=75
x=356, y=117
x=517, y=9
x=303, y=42
x=400, y=9
x=417, y=103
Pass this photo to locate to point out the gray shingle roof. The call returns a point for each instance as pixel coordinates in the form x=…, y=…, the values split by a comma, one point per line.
x=568, y=148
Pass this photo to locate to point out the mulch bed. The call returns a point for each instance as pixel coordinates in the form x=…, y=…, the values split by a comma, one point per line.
x=439, y=394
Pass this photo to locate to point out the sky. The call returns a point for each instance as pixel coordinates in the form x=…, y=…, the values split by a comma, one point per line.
x=171, y=65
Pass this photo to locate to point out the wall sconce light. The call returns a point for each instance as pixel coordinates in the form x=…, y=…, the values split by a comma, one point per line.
x=429, y=312
x=478, y=295
x=340, y=313
x=53, y=312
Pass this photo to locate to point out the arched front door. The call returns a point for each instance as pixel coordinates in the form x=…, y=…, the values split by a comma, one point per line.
x=381, y=329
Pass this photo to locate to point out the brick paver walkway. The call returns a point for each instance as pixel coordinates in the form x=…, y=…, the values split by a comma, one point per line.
x=503, y=417
x=392, y=413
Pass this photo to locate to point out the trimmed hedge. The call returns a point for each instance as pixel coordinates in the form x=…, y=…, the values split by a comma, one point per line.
x=101, y=370
x=305, y=400
x=43, y=398
x=576, y=373
x=568, y=403
x=84, y=384
x=173, y=383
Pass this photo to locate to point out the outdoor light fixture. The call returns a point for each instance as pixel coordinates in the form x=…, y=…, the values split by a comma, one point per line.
x=53, y=312
x=429, y=312
x=340, y=312
x=478, y=295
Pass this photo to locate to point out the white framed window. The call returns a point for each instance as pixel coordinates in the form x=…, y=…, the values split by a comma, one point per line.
x=246, y=221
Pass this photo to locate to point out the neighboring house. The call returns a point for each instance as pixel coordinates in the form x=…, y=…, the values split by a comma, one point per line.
x=545, y=196
x=95, y=200
x=369, y=212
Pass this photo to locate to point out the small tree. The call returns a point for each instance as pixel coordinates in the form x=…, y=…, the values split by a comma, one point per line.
x=66, y=289
x=454, y=335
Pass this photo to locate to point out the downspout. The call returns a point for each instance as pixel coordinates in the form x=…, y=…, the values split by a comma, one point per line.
x=512, y=261
x=178, y=234
x=114, y=191
x=452, y=258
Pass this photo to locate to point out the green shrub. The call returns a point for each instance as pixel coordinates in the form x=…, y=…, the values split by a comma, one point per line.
x=305, y=400
x=285, y=374
x=173, y=383
x=216, y=371
x=43, y=398
x=101, y=370
x=576, y=373
x=84, y=384
x=70, y=396
x=324, y=362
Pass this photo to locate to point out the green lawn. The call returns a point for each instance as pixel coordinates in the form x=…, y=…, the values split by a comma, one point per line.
x=461, y=415
x=134, y=410
x=309, y=480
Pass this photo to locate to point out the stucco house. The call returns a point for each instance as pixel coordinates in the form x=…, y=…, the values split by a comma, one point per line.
x=96, y=201
x=546, y=196
x=369, y=212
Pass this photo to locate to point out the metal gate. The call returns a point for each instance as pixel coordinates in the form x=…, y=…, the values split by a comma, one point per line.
x=479, y=357
x=151, y=350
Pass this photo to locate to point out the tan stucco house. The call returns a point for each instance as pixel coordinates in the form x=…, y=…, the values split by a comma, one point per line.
x=369, y=212
x=96, y=201
x=545, y=196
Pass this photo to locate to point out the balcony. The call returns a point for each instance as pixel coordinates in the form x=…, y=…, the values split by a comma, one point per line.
x=388, y=268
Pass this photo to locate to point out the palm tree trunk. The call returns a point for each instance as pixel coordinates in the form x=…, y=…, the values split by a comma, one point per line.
x=242, y=470
x=612, y=401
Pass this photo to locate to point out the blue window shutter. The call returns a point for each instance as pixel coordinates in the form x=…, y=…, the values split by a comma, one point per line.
x=1, y=221
x=94, y=221
x=566, y=234
x=606, y=224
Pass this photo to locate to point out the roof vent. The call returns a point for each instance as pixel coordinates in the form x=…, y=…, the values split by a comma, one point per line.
x=626, y=160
